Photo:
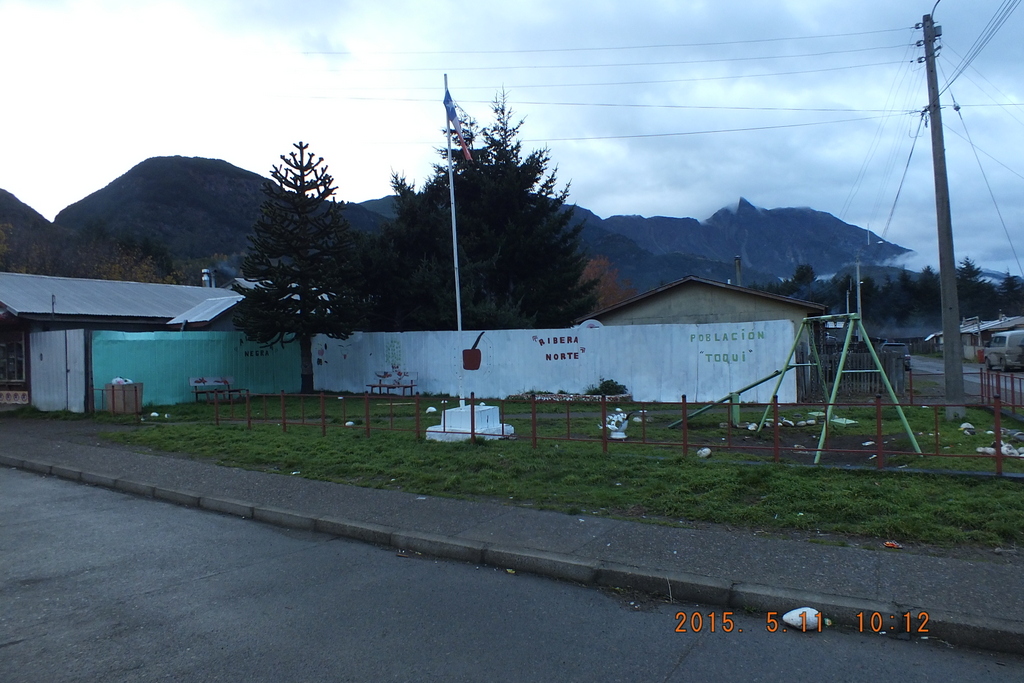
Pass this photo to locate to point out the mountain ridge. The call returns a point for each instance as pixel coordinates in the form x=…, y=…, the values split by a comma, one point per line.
x=200, y=208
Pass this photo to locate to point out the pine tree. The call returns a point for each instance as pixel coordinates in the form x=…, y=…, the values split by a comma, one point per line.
x=301, y=260
x=520, y=254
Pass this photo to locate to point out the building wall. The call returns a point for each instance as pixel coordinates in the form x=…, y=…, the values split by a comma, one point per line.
x=697, y=303
x=165, y=361
x=655, y=362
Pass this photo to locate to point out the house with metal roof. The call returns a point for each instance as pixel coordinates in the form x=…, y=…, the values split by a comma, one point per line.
x=46, y=325
x=695, y=300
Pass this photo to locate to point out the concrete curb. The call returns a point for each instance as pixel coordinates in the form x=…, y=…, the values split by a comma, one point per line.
x=958, y=629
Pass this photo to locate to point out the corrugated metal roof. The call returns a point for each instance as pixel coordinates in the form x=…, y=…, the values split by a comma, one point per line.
x=40, y=294
x=207, y=310
x=975, y=326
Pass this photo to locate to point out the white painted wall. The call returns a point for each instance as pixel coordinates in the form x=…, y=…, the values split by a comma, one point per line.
x=656, y=362
x=57, y=366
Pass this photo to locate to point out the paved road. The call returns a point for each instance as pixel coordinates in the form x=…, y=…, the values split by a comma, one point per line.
x=97, y=585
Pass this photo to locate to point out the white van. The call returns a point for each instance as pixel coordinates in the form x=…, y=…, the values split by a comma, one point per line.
x=1005, y=351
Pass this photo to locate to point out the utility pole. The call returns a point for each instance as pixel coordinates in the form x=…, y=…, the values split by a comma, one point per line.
x=952, y=344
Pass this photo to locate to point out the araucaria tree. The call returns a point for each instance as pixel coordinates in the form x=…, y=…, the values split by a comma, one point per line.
x=301, y=262
x=520, y=256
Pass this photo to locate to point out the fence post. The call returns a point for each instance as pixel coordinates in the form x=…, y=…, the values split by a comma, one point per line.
x=323, y=415
x=366, y=412
x=248, y=411
x=775, y=427
x=604, y=423
x=284, y=414
x=472, y=417
x=533, y=419
x=878, y=432
x=216, y=409
x=643, y=422
x=686, y=433
x=910, y=380
x=568, y=420
x=998, y=406
x=417, y=409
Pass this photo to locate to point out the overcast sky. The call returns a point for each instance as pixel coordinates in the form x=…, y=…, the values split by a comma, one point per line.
x=653, y=108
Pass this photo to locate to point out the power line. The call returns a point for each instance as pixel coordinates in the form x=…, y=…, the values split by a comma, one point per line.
x=627, y=64
x=991, y=194
x=464, y=88
x=990, y=30
x=703, y=132
x=608, y=49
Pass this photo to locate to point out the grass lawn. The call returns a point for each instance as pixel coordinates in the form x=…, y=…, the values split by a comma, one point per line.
x=738, y=485
x=631, y=480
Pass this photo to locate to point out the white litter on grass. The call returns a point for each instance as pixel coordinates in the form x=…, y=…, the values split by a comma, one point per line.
x=704, y=453
x=868, y=443
x=966, y=425
x=350, y=423
x=431, y=409
x=752, y=427
x=154, y=414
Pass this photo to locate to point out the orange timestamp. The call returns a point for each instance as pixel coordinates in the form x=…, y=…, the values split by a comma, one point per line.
x=696, y=622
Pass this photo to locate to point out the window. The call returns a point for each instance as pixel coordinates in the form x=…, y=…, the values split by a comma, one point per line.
x=12, y=358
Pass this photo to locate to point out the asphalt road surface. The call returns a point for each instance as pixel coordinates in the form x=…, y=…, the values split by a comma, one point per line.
x=96, y=585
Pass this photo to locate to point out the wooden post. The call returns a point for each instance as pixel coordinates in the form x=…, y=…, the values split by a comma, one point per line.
x=323, y=415
x=416, y=404
x=284, y=414
x=775, y=428
x=533, y=419
x=604, y=423
x=880, y=452
x=366, y=412
x=686, y=432
x=998, y=408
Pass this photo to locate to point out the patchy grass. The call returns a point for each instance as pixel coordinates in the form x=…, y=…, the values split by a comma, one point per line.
x=631, y=480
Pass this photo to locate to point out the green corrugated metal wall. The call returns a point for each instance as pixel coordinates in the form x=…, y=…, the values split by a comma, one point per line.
x=164, y=362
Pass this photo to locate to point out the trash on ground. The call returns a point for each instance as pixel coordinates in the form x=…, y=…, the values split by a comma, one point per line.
x=893, y=544
x=431, y=409
x=804, y=618
x=704, y=452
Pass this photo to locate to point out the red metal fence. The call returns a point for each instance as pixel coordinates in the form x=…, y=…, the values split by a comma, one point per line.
x=871, y=436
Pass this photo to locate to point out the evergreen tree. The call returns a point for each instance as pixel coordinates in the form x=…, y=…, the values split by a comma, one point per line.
x=520, y=256
x=977, y=295
x=1011, y=295
x=301, y=260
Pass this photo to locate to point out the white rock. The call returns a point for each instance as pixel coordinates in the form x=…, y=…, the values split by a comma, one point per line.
x=704, y=452
x=787, y=423
x=350, y=423
x=966, y=425
x=752, y=427
x=794, y=618
x=431, y=409
x=154, y=414
x=637, y=419
x=801, y=423
x=811, y=423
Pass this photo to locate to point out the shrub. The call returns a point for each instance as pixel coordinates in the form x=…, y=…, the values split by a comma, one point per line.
x=607, y=387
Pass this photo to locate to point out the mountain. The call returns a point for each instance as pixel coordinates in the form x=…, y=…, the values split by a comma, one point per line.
x=198, y=208
x=767, y=240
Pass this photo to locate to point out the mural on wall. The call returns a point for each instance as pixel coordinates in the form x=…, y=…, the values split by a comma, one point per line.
x=655, y=362
x=471, y=357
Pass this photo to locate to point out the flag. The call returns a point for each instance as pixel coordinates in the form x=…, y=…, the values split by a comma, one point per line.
x=453, y=117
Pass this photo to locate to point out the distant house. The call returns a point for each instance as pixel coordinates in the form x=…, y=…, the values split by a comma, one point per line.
x=46, y=325
x=694, y=300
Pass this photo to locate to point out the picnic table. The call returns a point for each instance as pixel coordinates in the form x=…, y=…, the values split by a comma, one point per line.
x=214, y=388
x=394, y=381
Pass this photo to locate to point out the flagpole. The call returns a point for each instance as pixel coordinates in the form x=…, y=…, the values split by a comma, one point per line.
x=455, y=251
